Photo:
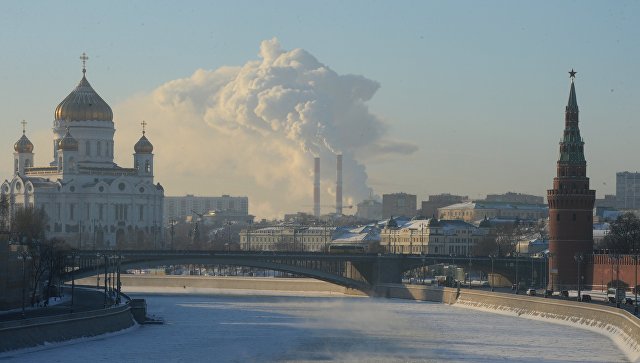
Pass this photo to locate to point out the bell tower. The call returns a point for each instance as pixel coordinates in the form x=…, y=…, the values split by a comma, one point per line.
x=570, y=205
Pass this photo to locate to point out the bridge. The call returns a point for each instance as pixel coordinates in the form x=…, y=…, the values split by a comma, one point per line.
x=356, y=271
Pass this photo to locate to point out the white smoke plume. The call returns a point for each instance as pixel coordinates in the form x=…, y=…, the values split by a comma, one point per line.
x=254, y=130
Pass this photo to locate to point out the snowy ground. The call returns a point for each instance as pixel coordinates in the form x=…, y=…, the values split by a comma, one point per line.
x=238, y=327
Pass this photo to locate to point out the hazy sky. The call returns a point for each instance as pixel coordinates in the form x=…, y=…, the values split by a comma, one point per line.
x=422, y=97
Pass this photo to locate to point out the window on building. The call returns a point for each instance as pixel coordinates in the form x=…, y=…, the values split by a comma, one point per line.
x=87, y=148
x=140, y=212
x=99, y=148
x=71, y=211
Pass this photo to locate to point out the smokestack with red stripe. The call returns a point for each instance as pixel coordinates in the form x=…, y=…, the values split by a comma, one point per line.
x=339, y=185
x=316, y=187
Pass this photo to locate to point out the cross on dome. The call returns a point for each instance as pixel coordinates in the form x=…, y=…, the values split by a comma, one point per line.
x=143, y=123
x=24, y=125
x=84, y=58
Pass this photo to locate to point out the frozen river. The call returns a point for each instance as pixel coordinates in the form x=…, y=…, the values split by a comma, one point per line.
x=244, y=328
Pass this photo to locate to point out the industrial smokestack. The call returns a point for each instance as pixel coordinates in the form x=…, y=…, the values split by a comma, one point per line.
x=316, y=187
x=339, y=185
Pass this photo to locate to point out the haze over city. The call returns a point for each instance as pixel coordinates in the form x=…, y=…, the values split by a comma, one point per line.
x=420, y=97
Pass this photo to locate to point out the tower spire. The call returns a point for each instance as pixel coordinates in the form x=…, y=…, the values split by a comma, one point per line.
x=572, y=105
x=24, y=125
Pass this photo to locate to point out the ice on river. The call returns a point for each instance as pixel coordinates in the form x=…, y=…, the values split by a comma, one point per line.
x=246, y=328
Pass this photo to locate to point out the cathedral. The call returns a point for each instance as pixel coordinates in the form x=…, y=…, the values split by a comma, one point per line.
x=89, y=201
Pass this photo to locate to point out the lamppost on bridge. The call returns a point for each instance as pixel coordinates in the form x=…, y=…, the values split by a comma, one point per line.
x=422, y=238
x=172, y=231
x=24, y=256
x=517, y=255
x=579, y=257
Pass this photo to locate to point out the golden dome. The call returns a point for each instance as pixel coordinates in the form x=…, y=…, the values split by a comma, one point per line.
x=143, y=146
x=83, y=104
x=23, y=145
x=68, y=143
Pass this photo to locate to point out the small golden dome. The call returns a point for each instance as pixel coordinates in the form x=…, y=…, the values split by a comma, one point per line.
x=23, y=145
x=143, y=146
x=83, y=104
x=68, y=143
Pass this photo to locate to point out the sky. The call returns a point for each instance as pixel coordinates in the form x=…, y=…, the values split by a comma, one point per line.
x=423, y=97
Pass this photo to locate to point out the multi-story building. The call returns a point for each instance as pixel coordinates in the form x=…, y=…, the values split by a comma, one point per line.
x=515, y=198
x=287, y=238
x=431, y=236
x=179, y=208
x=398, y=205
x=628, y=190
x=430, y=207
x=369, y=209
x=478, y=210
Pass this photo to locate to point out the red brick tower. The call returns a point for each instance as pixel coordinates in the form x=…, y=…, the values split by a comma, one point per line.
x=570, y=206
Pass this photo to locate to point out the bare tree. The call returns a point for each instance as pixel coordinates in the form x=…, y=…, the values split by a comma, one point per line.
x=28, y=224
x=624, y=234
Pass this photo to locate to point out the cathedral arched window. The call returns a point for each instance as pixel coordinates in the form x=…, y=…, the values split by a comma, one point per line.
x=15, y=165
x=99, y=148
x=27, y=163
x=59, y=163
x=147, y=167
x=87, y=148
x=137, y=166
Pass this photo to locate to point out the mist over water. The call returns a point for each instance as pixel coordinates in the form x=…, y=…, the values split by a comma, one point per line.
x=244, y=328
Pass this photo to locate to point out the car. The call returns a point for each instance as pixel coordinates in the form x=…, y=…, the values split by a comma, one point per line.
x=586, y=298
x=531, y=292
x=564, y=293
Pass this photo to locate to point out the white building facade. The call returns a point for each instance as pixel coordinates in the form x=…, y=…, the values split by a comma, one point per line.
x=431, y=236
x=287, y=238
x=90, y=202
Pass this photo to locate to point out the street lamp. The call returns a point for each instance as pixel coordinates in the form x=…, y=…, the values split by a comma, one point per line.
x=517, y=255
x=579, y=257
x=492, y=257
x=24, y=256
x=635, y=287
x=172, y=231
x=73, y=257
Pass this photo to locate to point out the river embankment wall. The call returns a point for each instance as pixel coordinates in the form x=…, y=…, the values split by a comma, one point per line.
x=135, y=282
x=622, y=327
x=27, y=333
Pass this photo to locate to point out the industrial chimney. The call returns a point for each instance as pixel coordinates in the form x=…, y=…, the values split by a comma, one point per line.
x=339, y=185
x=316, y=187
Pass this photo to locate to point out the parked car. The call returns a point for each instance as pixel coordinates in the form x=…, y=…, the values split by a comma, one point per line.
x=586, y=298
x=531, y=292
